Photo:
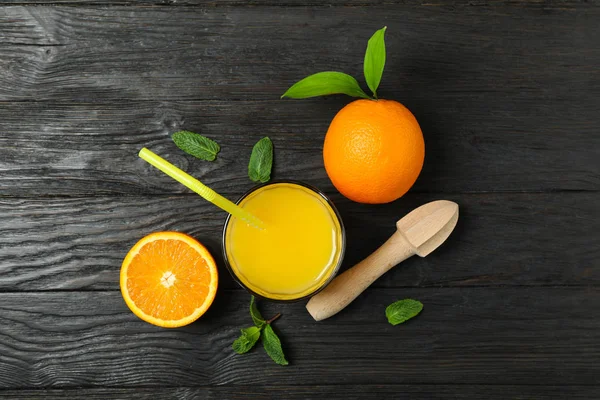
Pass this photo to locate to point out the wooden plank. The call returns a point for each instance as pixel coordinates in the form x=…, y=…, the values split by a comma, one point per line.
x=489, y=55
x=542, y=4
x=49, y=148
x=501, y=239
x=507, y=336
x=454, y=4
x=346, y=392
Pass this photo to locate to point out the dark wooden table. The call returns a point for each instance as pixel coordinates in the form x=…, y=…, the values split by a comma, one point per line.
x=507, y=94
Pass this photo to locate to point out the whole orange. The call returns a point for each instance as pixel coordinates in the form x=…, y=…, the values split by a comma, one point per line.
x=374, y=151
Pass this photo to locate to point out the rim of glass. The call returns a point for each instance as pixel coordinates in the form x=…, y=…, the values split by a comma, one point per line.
x=342, y=247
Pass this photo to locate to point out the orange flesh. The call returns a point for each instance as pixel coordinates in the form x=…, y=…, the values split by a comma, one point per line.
x=168, y=280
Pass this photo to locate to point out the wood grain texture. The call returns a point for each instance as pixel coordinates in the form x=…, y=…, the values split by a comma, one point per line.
x=464, y=335
x=50, y=148
x=454, y=4
x=485, y=56
x=346, y=392
x=500, y=239
x=507, y=94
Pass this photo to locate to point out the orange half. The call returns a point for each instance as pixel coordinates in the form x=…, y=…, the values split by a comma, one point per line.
x=169, y=279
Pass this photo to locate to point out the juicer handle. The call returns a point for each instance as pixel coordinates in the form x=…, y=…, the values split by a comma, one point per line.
x=349, y=285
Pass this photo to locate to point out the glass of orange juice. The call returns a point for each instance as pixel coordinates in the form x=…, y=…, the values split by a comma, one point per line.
x=297, y=253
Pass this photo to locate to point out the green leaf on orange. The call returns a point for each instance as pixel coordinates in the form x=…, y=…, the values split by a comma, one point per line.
x=375, y=60
x=325, y=83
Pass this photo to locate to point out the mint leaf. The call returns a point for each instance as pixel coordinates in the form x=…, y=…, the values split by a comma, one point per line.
x=196, y=145
x=249, y=337
x=324, y=83
x=375, y=60
x=272, y=345
x=261, y=161
x=258, y=319
x=403, y=310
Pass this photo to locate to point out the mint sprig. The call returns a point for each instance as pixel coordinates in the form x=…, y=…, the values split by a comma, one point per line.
x=261, y=161
x=262, y=328
x=196, y=145
x=249, y=337
x=403, y=310
x=272, y=345
x=257, y=317
x=331, y=82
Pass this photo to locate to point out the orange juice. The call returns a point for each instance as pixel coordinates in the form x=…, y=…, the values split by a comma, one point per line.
x=299, y=250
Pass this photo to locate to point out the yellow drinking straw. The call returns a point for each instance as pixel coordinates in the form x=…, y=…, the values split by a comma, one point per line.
x=198, y=187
